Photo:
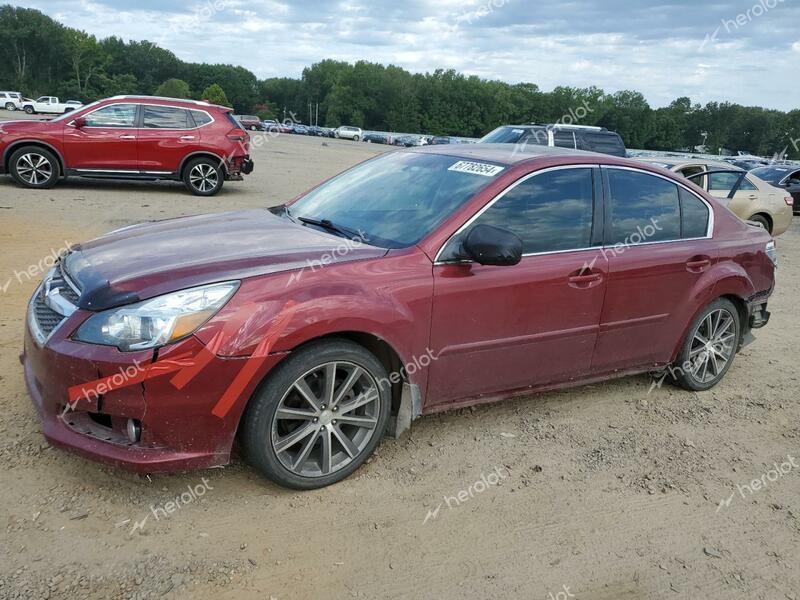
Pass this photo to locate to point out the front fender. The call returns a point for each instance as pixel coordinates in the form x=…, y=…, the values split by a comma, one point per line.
x=389, y=298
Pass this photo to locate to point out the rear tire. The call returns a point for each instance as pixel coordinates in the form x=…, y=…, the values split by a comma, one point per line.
x=203, y=176
x=327, y=441
x=34, y=167
x=11, y=106
x=762, y=220
x=709, y=348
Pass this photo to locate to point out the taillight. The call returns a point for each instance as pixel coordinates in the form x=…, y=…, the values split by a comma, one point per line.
x=789, y=201
x=772, y=253
x=237, y=135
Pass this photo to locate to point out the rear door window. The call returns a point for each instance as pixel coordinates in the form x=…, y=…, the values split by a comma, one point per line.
x=642, y=208
x=165, y=117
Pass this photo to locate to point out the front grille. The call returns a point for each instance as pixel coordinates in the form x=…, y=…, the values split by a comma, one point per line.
x=55, y=300
x=46, y=318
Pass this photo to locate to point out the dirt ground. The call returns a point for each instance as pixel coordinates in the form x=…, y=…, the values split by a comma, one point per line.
x=603, y=492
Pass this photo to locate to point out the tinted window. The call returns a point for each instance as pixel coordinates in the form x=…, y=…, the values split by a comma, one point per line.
x=607, y=143
x=725, y=182
x=164, y=117
x=694, y=215
x=397, y=199
x=115, y=115
x=503, y=135
x=549, y=212
x=564, y=139
x=201, y=118
x=642, y=208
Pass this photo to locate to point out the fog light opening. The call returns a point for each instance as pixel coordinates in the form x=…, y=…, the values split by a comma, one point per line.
x=134, y=430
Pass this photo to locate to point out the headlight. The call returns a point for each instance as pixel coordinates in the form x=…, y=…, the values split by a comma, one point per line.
x=157, y=321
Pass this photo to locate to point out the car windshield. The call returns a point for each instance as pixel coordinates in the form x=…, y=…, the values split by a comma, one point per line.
x=395, y=200
x=771, y=174
x=503, y=135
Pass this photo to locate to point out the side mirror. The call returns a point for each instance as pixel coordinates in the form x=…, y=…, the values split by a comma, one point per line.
x=489, y=245
x=80, y=122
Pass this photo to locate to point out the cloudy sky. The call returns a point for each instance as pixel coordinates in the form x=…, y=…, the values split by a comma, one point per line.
x=745, y=51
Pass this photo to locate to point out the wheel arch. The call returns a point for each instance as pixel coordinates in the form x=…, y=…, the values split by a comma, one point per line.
x=730, y=282
x=201, y=154
x=770, y=220
x=14, y=146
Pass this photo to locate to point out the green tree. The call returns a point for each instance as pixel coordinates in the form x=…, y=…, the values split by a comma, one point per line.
x=174, y=88
x=215, y=95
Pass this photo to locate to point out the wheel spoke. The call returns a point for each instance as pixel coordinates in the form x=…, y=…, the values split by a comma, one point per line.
x=305, y=391
x=298, y=434
x=327, y=451
x=304, y=451
x=347, y=385
x=346, y=442
x=368, y=422
x=330, y=384
x=295, y=414
x=362, y=399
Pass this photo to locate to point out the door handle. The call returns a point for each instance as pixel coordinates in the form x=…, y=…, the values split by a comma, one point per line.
x=127, y=137
x=584, y=279
x=187, y=138
x=698, y=264
x=753, y=197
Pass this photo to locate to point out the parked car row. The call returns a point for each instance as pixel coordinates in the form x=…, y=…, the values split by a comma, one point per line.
x=744, y=193
x=130, y=137
x=50, y=105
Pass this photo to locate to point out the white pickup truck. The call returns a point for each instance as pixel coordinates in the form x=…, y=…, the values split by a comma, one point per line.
x=49, y=105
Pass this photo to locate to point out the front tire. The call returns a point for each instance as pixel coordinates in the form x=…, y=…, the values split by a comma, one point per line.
x=356, y=138
x=319, y=416
x=29, y=110
x=203, y=177
x=34, y=167
x=709, y=348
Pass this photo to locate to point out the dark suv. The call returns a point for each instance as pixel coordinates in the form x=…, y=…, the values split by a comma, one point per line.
x=575, y=137
x=130, y=137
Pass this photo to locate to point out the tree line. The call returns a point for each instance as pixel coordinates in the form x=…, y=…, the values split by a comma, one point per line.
x=38, y=55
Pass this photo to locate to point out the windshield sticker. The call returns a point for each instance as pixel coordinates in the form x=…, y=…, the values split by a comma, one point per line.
x=476, y=168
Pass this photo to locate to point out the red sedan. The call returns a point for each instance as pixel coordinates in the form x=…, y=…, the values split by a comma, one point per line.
x=130, y=137
x=419, y=281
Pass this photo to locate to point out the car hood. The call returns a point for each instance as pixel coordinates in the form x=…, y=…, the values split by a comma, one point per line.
x=25, y=126
x=143, y=261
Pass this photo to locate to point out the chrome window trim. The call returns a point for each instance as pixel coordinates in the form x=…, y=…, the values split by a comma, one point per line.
x=491, y=202
x=208, y=114
x=709, y=229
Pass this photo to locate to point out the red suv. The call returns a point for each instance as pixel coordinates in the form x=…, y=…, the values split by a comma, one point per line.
x=130, y=137
x=476, y=273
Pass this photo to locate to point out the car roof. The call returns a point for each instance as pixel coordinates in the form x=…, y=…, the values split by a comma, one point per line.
x=511, y=154
x=171, y=101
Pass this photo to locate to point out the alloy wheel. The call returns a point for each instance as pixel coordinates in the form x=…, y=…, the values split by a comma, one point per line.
x=713, y=345
x=326, y=419
x=204, y=177
x=34, y=169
